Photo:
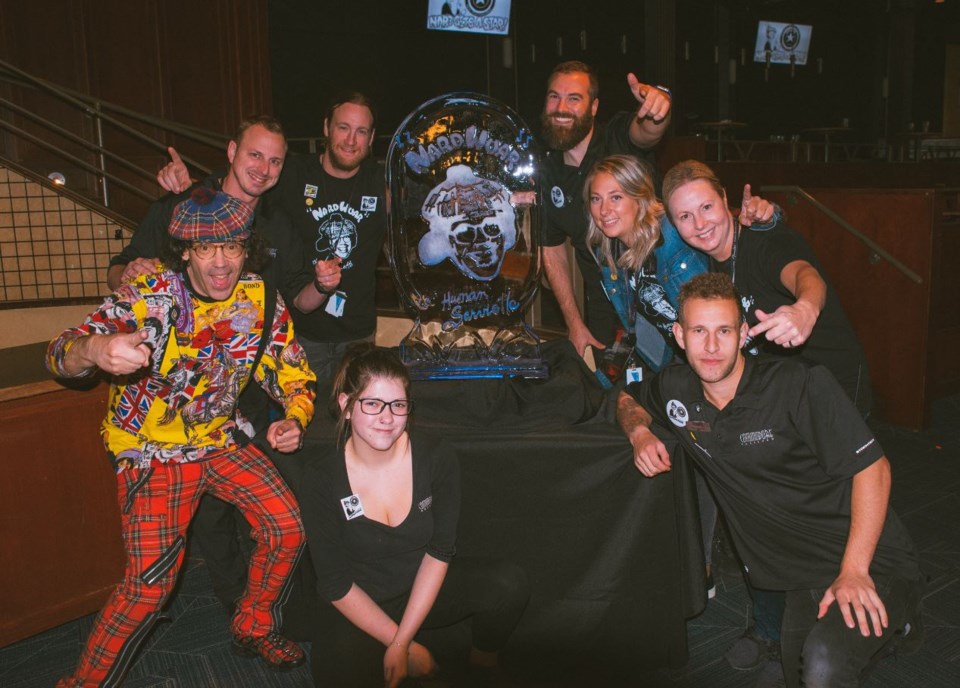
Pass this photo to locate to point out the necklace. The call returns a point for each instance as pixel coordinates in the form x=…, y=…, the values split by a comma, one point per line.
x=340, y=181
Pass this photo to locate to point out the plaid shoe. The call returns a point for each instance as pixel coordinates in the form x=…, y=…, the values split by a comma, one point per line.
x=276, y=651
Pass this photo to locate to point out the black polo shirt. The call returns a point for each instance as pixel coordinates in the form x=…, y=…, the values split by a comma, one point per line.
x=780, y=459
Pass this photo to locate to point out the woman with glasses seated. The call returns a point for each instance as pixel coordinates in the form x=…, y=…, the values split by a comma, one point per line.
x=380, y=512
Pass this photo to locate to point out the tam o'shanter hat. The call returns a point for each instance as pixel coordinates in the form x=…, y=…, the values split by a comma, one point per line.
x=211, y=216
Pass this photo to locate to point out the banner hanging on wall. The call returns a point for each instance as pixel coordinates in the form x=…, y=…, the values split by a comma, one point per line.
x=472, y=16
x=780, y=43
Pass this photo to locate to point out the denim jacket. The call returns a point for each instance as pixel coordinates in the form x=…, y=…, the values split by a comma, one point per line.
x=677, y=263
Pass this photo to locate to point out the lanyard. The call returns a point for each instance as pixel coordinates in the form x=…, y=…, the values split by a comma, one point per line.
x=733, y=255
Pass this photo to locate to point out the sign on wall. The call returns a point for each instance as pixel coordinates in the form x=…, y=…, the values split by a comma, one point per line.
x=473, y=16
x=780, y=43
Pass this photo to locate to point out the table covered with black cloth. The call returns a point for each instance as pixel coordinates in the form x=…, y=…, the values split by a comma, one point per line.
x=549, y=483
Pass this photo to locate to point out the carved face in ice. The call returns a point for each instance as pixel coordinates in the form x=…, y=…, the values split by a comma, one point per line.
x=471, y=222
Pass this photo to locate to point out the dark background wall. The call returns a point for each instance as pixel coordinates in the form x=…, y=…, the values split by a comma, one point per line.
x=209, y=64
x=383, y=48
x=204, y=64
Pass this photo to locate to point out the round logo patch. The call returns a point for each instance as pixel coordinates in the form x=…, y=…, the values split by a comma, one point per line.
x=677, y=413
x=790, y=38
x=556, y=195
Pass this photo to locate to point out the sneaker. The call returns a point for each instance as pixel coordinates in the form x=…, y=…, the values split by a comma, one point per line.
x=911, y=639
x=771, y=675
x=749, y=652
x=906, y=641
x=277, y=652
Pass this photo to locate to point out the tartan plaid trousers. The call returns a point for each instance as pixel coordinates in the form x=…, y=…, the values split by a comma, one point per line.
x=157, y=505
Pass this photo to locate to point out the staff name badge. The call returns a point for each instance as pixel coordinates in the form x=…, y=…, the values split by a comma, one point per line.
x=352, y=507
x=336, y=304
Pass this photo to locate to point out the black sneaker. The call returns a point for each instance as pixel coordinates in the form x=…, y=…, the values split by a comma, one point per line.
x=911, y=636
x=771, y=675
x=906, y=641
x=749, y=652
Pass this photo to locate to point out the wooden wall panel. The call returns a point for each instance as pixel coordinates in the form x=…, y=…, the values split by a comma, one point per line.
x=204, y=64
x=889, y=312
x=59, y=520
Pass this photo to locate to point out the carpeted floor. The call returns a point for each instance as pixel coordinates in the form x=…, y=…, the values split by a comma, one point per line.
x=193, y=649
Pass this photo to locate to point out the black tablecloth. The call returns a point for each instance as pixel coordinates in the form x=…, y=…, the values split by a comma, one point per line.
x=548, y=482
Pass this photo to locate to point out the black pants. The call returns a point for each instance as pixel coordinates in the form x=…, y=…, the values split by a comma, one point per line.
x=222, y=534
x=493, y=592
x=825, y=653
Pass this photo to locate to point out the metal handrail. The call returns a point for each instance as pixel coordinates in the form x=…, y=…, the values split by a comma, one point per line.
x=77, y=161
x=95, y=108
x=43, y=125
x=850, y=229
x=69, y=135
x=102, y=117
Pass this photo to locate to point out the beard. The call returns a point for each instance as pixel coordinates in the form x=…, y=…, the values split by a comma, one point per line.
x=339, y=163
x=564, y=138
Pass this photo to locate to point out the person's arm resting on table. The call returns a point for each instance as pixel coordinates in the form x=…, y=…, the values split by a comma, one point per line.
x=650, y=455
x=557, y=267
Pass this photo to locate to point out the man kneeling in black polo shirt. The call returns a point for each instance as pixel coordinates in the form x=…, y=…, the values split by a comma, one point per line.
x=801, y=480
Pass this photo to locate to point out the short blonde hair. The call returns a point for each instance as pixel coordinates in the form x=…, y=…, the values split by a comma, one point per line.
x=686, y=172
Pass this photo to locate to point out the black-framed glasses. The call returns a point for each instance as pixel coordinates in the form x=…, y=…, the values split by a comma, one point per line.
x=231, y=249
x=398, y=407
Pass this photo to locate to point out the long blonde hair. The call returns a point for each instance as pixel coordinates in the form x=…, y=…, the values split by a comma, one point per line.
x=636, y=180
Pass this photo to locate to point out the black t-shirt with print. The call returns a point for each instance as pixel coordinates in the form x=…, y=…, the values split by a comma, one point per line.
x=760, y=258
x=337, y=217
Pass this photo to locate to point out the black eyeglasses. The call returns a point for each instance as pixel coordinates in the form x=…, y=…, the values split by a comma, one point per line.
x=398, y=407
x=231, y=249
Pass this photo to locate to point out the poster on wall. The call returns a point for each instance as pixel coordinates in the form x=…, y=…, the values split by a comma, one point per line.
x=471, y=16
x=780, y=43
